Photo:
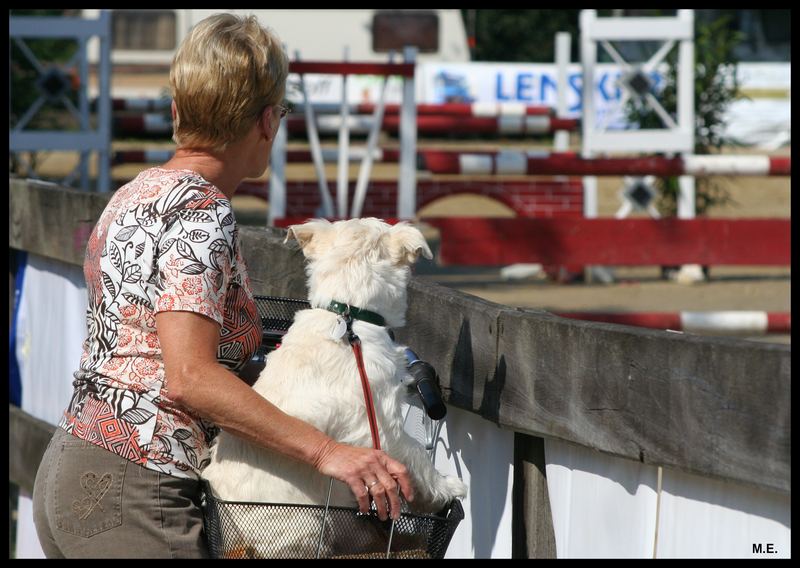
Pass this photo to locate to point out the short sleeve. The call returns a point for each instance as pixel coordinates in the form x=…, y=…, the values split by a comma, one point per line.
x=195, y=260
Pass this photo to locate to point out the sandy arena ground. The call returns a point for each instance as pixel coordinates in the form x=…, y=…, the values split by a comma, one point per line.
x=636, y=289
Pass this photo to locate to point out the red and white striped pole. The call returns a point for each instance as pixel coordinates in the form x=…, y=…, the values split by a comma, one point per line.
x=445, y=109
x=145, y=156
x=529, y=163
x=147, y=123
x=329, y=155
x=502, y=124
x=156, y=123
x=138, y=104
x=569, y=163
x=733, y=322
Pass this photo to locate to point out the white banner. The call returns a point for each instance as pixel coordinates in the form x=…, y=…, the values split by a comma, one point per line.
x=762, y=118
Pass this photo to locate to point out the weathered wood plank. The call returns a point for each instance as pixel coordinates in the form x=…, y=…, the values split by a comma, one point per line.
x=702, y=404
x=27, y=440
x=457, y=333
x=274, y=268
x=52, y=221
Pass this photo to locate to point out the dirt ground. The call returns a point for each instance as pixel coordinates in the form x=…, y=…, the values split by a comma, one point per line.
x=636, y=289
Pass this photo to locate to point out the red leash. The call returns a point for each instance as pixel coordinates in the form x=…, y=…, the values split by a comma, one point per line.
x=355, y=343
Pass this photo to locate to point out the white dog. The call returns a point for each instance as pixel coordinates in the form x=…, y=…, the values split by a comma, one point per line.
x=363, y=263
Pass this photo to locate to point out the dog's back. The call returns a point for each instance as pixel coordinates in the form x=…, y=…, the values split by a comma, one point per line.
x=314, y=378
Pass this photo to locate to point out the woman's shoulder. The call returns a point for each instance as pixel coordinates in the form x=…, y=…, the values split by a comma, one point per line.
x=159, y=200
x=171, y=191
x=158, y=182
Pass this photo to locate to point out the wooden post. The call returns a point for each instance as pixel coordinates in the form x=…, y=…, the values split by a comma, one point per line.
x=533, y=535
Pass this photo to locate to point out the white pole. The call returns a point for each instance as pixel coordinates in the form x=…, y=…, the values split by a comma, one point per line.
x=372, y=143
x=588, y=58
x=104, y=105
x=407, y=184
x=686, y=184
x=83, y=103
x=344, y=140
x=277, y=176
x=563, y=42
x=686, y=200
x=316, y=151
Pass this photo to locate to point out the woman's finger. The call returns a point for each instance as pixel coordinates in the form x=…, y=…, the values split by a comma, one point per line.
x=361, y=494
x=387, y=490
x=400, y=475
x=378, y=494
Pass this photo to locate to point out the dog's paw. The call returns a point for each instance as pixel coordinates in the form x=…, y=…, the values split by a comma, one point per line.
x=446, y=490
x=443, y=491
x=454, y=488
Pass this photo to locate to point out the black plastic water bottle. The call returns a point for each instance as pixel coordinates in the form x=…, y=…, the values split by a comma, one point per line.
x=426, y=385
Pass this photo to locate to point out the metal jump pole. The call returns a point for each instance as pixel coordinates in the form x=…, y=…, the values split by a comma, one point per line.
x=344, y=142
x=316, y=152
x=369, y=155
x=407, y=182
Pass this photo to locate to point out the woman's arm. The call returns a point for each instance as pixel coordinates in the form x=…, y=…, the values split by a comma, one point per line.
x=195, y=380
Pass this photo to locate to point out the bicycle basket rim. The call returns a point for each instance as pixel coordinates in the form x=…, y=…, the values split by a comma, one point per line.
x=454, y=509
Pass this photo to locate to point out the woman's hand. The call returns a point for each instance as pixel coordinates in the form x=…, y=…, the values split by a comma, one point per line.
x=367, y=472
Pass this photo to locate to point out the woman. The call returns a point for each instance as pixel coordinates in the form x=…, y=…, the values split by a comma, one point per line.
x=172, y=321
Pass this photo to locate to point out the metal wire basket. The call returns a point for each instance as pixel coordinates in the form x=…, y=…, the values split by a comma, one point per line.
x=277, y=314
x=272, y=530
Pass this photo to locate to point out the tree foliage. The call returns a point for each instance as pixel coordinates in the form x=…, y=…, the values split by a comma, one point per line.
x=520, y=35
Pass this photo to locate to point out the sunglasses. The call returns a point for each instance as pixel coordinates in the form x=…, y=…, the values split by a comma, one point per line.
x=283, y=110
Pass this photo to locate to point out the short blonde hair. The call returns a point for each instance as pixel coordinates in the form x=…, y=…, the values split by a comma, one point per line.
x=225, y=72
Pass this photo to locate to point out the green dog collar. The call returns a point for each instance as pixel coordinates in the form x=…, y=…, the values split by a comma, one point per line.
x=356, y=313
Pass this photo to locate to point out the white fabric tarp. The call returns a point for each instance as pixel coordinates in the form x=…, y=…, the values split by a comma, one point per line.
x=482, y=455
x=708, y=518
x=51, y=328
x=608, y=507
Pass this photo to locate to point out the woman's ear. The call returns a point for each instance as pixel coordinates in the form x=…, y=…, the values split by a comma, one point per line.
x=312, y=236
x=265, y=123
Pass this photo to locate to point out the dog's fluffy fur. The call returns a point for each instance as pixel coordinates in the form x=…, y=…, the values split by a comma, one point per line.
x=364, y=263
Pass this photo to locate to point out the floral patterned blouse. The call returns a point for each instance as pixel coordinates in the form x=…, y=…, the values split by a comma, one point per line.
x=167, y=241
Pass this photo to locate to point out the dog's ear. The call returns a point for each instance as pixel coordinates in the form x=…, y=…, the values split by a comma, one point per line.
x=309, y=235
x=405, y=243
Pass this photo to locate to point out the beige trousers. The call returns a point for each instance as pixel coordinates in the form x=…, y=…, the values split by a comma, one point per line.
x=91, y=503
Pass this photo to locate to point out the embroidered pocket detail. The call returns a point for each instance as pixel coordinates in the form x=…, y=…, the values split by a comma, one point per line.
x=95, y=489
x=88, y=490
